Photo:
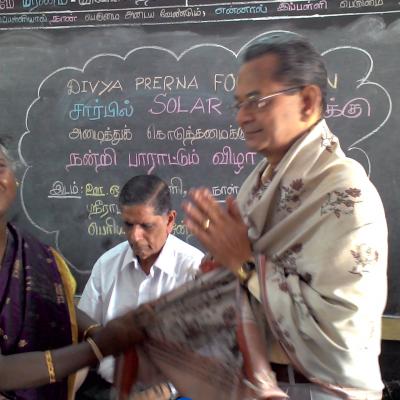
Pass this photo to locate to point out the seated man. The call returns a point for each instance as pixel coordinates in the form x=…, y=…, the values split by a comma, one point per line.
x=150, y=263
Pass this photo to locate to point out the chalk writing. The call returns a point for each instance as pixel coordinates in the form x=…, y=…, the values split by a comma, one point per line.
x=98, y=111
x=6, y=4
x=90, y=159
x=94, y=191
x=171, y=105
x=165, y=83
x=333, y=83
x=114, y=190
x=59, y=190
x=231, y=190
x=228, y=157
x=94, y=87
x=102, y=209
x=227, y=81
x=353, y=108
x=187, y=135
x=109, y=228
x=113, y=136
x=181, y=230
x=182, y=159
x=176, y=186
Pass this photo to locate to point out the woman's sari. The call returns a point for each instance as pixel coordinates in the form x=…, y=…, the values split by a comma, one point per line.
x=36, y=307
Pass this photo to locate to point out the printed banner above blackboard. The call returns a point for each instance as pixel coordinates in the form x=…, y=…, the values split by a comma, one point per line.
x=71, y=13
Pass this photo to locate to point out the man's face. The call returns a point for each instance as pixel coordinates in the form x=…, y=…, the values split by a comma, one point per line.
x=271, y=128
x=146, y=232
x=7, y=186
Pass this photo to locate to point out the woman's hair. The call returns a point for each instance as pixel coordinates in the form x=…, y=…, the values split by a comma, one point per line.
x=299, y=63
x=6, y=153
x=146, y=190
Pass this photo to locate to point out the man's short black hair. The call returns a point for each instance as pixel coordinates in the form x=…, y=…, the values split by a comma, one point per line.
x=299, y=63
x=146, y=190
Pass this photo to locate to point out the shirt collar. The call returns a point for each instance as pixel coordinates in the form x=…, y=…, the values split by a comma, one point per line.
x=164, y=262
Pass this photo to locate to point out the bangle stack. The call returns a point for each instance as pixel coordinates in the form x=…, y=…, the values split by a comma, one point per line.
x=50, y=366
x=97, y=352
x=87, y=331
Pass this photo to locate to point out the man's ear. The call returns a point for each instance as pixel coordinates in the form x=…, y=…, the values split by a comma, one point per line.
x=171, y=220
x=312, y=101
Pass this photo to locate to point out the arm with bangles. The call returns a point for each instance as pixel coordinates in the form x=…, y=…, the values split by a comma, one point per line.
x=87, y=326
x=41, y=368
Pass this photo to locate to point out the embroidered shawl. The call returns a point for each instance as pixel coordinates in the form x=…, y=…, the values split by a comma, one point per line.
x=36, y=306
x=320, y=224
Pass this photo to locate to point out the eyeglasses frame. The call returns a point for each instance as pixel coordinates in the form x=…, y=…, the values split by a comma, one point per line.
x=239, y=106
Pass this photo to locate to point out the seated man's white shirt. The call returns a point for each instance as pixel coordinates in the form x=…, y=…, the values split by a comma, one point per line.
x=118, y=284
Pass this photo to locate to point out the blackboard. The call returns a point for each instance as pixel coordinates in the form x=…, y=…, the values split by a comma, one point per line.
x=87, y=107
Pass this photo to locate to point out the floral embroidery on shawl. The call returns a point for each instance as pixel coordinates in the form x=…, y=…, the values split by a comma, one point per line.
x=341, y=202
x=287, y=261
x=364, y=256
x=328, y=140
x=290, y=195
x=286, y=265
x=259, y=188
x=283, y=334
x=257, y=192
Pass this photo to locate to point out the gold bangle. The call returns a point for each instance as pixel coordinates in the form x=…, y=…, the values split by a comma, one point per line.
x=97, y=352
x=88, y=329
x=50, y=366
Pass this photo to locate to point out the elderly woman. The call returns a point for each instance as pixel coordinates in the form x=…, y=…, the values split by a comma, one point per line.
x=38, y=321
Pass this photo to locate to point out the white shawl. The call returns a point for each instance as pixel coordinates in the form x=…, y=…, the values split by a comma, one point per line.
x=320, y=224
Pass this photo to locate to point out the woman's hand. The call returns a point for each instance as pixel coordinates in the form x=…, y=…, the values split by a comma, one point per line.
x=119, y=334
x=221, y=231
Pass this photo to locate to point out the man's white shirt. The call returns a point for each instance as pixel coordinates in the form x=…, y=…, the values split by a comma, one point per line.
x=118, y=284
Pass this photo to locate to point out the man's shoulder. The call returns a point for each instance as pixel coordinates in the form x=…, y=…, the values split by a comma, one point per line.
x=113, y=255
x=181, y=247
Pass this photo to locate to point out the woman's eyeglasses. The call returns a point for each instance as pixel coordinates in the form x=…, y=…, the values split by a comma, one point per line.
x=254, y=104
